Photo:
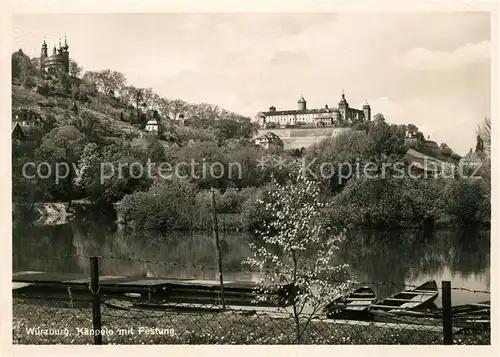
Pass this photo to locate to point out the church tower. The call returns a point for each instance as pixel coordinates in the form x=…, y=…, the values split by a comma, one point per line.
x=44, y=49
x=43, y=55
x=65, y=55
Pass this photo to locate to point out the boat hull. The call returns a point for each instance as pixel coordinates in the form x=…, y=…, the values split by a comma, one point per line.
x=352, y=305
x=421, y=297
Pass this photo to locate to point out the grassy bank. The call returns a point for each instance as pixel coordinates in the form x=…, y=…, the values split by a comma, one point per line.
x=197, y=327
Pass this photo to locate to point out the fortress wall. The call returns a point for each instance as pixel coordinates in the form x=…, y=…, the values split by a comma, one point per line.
x=297, y=138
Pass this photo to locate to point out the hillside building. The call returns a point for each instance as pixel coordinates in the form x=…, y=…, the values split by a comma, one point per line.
x=17, y=133
x=153, y=127
x=268, y=140
x=343, y=114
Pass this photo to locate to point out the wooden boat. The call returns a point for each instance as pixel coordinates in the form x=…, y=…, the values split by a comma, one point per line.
x=357, y=301
x=418, y=298
x=477, y=308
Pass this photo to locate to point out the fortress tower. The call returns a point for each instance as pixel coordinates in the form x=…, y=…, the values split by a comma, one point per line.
x=343, y=107
x=367, y=111
x=302, y=104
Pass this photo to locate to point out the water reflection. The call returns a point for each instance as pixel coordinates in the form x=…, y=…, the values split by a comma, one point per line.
x=411, y=258
x=396, y=257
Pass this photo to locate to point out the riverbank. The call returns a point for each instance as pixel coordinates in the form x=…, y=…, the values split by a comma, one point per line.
x=63, y=324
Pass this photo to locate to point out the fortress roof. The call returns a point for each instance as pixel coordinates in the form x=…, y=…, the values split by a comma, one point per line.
x=292, y=112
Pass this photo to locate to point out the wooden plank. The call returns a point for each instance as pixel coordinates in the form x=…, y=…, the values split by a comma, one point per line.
x=482, y=305
x=417, y=293
x=102, y=280
x=360, y=299
x=410, y=305
x=396, y=325
x=146, y=282
x=386, y=306
x=27, y=273
x=402, y=300
x=16, y=286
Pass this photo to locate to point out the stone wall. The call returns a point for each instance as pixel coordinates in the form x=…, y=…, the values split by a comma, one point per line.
x=297, y=138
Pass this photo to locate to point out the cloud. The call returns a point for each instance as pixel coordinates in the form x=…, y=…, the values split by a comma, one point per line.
x=437, y=119
x=424, y=59
x=247, y=62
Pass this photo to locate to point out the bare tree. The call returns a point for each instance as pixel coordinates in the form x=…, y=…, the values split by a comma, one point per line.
x=94, y=79
x=147, y=97
x=484, y=132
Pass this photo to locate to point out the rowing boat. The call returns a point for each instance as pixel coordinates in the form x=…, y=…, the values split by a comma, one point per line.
x=357, y=301
x=417, y=298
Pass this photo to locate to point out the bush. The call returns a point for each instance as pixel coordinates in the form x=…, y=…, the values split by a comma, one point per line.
x=468, y=201
x=43, y=89
x=253, y=217
x=166, y=206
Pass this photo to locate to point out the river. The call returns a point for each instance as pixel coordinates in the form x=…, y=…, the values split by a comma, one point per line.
x=390, y=260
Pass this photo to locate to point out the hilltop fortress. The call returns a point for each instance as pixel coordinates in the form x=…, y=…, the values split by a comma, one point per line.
x=303, y=127
x=341, y=116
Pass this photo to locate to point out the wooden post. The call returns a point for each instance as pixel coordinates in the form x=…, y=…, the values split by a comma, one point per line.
x=447, y=315
x=96, y=300
x=217, y=245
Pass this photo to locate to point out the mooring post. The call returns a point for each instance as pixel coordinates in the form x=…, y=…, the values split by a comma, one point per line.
x=96, y=300
x=217, y=245
x=447, y=315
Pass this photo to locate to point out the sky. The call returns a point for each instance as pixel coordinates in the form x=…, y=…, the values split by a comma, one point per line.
x=428, y=69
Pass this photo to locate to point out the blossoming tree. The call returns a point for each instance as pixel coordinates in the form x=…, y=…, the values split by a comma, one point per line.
x=297, y=248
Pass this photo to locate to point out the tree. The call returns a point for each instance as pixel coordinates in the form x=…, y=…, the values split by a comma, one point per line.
x=87, y=176
x=119, y=81
x=379, y=118
x=412, y=130
x=479, y=144
x=164, y=106
x=133, y=95
x=297, y=248
x=126, y=95
x=424, y=198
x=112, y=81
x=177, y=106
x=74, y=69
x=420, y=136
x=388, y=140
x=23, y=69
x=468, y=200
x=156, y=152
x=60, y=149
x=94, y=78
x=484, y=132
x=272, y=125
x=147, y=97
